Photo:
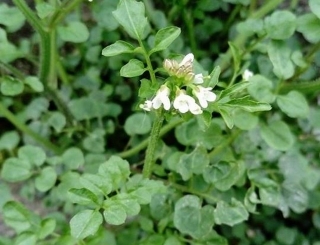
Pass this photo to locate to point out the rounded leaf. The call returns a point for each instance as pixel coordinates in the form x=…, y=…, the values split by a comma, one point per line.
x=34, y=83
x=15, y=169
x=75, y=32
x=115, y=215
x=133, y=68
x=73, y=158
x=85, y=223
x=138, y=123
x=11, y=86
x=280, y=25
x=294, y=104
x=46, y=180
x=277, y=135
x=33, y=154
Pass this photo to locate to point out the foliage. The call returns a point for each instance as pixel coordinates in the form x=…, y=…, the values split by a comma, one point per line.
x=160, y=122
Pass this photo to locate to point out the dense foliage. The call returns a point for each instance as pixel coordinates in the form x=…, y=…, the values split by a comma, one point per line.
x=160, y=122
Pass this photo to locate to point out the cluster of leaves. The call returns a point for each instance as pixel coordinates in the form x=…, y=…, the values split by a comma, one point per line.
x=232, y=175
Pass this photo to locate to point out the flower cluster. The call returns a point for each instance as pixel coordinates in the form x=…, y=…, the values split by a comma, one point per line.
x=185, y=80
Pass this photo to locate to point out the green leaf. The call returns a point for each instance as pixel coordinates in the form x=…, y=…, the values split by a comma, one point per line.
x=33, y=154
x=95, y=141
x=277, y=135
x=236, y=88
x=270, y=195
x=83, y=196
x=133, y=68
x=295, y=196
x=193, y=163
x=247, y=104
x=57, y=120
x=102, y=13
x=26, y=238
x=131, y=15
x=11, y=17
x=309, y=26
x=9, y=140
x=214, y=77
x=189, y=218
x=11, y=86
x=236, y=56
x=85, y=223
x=294, y=104
x=280, y=56
x=73, y=158
x=286, y=235
x=75, y=32
x=9, y=53
x=14, y=170
x=226, y=115
x=165, y=37
x=260, y=88
x=128, y=202
x=46, y=179
x=280, y=25
x=138, y=123
x=44, y=10
x=147, y=89
x=115, y=215
x=116, y=169
x=119, y=47
x=315, y=7
x=47, y=227
x=230, y=213
x=245, y=120
x=16, y=216
x=250, y=27
x=34, y=83
x=224, y=175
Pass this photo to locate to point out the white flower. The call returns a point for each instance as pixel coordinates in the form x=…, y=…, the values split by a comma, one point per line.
x=247, y=74
x=204, y=95
x=147, y=106
x=184, y=103
x=187, y=60
x=198, y=79
x=162, y=98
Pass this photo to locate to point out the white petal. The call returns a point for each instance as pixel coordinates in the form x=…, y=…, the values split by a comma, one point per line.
x=195, y=109
x=198, y=79
x=156, y=102
x=166, y=102
x=210, y=96
x=187, y=60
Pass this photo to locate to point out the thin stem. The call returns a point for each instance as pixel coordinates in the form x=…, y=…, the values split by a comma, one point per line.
x=135, y=150
x=149, y=64
x=187, y=17
x=153, y=142
x=224, y=144
x=14, y=71
x=25, y=129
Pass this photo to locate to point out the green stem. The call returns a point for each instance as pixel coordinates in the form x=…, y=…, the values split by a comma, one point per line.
x=187, y=17
x=144, y=143
x=152, y=144
x=9, y=68
x=149, y=64
x=25, y=129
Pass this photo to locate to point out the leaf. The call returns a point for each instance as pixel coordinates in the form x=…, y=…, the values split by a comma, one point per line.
x=230, y=213
x=247, y=104
x=11, y=86
x=26, y=238
x=46, y=179
x=34, y=83
x=47, y=227
x=309, y=26
x=33, y=154
x=16, y=216
x=138, y=123
x=11, y=17
x=280, y=25
x=280, y=56
x=270, y=195
x=9, y=140
x=277, y=135
x=131, y=15
x=245, y=120
x=44, y=10
x=57, y=120
x=73, y=158
x=214, y=77
x=83, y=196
x=236, y=56
x=115, y=215
x=286, y=235
x=85, y=223
x=315, y=7
x=14, y=170
x=261, y=89
x=294, y=104
x=119, y=47
x=226, y=115
x=295, y=196
x=236, y=88
x=75, y=32
x=133, y=68
x=128, y=202
x=193, y=163
x=164, y=38
x=116, y=169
